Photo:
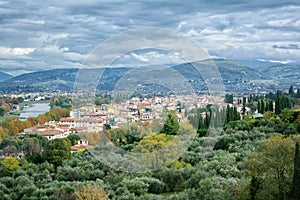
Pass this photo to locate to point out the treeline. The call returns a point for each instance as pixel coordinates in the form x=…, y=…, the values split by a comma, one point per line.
x=212, y=117
x=267, y=102
x=61, y=102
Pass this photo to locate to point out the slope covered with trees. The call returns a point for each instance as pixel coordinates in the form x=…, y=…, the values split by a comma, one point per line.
x=249, y=158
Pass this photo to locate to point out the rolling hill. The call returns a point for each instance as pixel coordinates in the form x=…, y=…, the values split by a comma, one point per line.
x=5, y=76
x=236, y=77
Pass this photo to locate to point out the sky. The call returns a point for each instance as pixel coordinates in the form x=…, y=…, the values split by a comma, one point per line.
x=46, y=34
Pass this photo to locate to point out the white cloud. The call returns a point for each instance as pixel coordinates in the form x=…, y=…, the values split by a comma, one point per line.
x=140, y=57
x=6, y=51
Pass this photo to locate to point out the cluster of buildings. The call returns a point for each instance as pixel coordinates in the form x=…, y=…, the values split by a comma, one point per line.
x=91, y=118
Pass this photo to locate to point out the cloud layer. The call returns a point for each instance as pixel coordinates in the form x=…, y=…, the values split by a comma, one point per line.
x=47, y=34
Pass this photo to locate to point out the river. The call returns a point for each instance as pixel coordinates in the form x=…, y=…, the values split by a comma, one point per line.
x=34, y=110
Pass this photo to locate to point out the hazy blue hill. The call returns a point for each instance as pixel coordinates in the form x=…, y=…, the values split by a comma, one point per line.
x=255, y=63
x=231, y=70
x=5, y=76
x=60, y=79
x=282, y=70
x=57, y=79
x=236, y=77
x=285, y=74
x=45, y=76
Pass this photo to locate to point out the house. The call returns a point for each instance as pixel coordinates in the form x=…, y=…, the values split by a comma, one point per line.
x=81, y=145
x=50, y=132
x=82, y=122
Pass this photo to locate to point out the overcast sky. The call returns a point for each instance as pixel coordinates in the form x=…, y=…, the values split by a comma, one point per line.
x=52, y=34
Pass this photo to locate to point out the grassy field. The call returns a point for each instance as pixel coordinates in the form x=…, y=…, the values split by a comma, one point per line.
x=8, y=116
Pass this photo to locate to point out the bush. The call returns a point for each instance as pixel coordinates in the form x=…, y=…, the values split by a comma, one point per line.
x=155, y=186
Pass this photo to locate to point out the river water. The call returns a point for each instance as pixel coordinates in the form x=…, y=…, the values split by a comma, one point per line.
x=34, y=110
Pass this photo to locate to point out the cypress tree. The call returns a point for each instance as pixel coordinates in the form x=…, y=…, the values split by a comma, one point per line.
x=291, y=91
x=207, y=120
x=236, y=114
x=227, y=119
x=277, y=103
x=258, y=107
x=271, y=106
x=298, y=93
x=218, y=121
x=200, y=123
x=231, y=114
x=262, y=106
x=244, y=109
x=295, y=191
x=223, y=115
x=287, y=102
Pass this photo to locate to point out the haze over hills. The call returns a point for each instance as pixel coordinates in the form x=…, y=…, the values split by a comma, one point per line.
x=236, y=78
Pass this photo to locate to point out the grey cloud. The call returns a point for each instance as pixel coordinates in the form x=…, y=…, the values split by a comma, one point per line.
x=234, y=28
x=290, y=46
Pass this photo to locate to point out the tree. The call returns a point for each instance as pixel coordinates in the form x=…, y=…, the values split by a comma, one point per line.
x=262, y=106
x=277, y=103
x=291, y=91
x=298, y=93
x=259, y=106
x=74, y=138
x=271, y=106
x=155, y=186
x=159, y=149
x=171, y=125
x=286, y=116
x=277, y=155
x=244, y=106
x=93, y=138
x=295, y=191
x=57, y=150
x=31, y=146
x=272, y=164
x=3, y=134
x=99, y=101
x=228, y=98
x=91, y=192
x=2, y=111
x=32, y=121
x=11, y=164
x=186, y=129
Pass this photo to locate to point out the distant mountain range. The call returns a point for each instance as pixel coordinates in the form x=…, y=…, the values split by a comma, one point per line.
x=236, y=78
x=5, y=76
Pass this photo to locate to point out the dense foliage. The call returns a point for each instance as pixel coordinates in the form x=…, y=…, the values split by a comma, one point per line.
x=248, y=158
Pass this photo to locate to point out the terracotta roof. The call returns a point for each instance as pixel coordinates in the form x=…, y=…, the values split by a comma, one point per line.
x=82, y=120
x=49, y=132
x=94, y=114
x=79, y=128
x=67, y=119
x=90, y=120
x=143, y=104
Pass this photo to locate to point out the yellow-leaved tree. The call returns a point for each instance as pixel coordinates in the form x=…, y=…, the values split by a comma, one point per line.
x=91, y=192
